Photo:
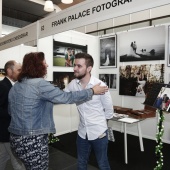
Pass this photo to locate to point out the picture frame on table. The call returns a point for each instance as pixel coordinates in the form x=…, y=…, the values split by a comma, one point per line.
x=159, y=97
x=108, y=52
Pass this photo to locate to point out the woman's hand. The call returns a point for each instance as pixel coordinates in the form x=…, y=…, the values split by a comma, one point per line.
x=97, y=89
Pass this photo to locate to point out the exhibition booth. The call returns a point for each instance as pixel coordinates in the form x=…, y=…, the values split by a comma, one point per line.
x=115, y=60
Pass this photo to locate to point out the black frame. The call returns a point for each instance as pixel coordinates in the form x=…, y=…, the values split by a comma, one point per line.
x=108, y=52
x=60, y=49
x=168, y=61
x=108, y=80
x=58, y=78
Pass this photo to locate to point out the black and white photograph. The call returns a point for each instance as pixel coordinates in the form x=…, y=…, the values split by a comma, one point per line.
x=142, y=45
x=108, y=52
x=137, y=80
x=64, y=53
x=168, y=46
x=61, y=79
x=110, y=80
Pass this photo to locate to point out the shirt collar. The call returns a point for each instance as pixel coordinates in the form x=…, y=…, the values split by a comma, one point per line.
x=10, y=80
x=91, y=82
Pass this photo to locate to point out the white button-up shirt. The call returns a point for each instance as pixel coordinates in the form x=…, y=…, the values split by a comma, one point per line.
x=93, y=113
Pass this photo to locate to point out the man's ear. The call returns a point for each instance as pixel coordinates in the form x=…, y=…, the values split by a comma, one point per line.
x=89, y=69
x=9, y=71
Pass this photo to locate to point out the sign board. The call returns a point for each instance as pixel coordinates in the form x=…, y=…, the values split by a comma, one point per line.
x=21, y=36
x=93, y=11
x=85, y=13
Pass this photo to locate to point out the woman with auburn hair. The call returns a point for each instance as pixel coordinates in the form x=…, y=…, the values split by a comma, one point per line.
x=31, y=102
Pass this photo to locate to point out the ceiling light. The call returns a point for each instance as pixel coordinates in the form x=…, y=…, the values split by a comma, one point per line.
x=49, y=7
x=67, y=1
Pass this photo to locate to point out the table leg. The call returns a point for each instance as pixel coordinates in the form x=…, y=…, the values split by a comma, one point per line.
x=140, y=137
x=125, y=143
x=121, y=130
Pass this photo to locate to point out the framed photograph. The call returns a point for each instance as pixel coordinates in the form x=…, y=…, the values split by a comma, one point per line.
x=108, y=52
x=64, y=53
x=2, y=73
x=159, y=97
x=137, y=80
x=168, y=46
x=61, y=79
x=142, y=45
x=110, y=80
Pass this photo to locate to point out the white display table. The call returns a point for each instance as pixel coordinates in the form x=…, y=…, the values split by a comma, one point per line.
x=125, y=121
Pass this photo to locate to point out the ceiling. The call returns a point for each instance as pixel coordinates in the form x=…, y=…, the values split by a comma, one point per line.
x=19, y=13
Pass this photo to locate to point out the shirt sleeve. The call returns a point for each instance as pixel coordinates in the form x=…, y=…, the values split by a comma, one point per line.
x=107, y=103
x=55, y=95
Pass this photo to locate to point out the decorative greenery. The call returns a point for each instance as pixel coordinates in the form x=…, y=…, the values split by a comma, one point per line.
x=159, y=147
x=52, y=138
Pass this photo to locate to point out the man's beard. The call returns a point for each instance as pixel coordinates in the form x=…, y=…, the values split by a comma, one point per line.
x=80, y=76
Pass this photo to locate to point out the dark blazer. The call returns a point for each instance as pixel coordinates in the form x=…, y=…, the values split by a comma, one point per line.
x=5, y=86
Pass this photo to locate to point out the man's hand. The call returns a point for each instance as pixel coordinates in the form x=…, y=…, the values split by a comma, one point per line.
x=97, y=89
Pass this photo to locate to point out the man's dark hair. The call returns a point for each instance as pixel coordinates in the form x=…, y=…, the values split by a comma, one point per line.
x=88, y=58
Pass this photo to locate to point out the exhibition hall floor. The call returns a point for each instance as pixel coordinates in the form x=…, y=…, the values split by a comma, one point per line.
x=59, y=161
x=63, y=154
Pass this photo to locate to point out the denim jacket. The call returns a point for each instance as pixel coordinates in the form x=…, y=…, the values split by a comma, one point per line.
x=31, y=105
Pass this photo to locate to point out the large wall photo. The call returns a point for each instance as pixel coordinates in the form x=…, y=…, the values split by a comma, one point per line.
x=168, y=46
x=137, y=80
x=64, y=53
x=142, y=45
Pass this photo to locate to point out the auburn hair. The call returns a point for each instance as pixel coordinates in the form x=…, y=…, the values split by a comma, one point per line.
x=32, y=66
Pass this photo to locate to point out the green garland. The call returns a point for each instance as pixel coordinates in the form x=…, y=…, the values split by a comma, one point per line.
x=159, y=147
x=52, y=138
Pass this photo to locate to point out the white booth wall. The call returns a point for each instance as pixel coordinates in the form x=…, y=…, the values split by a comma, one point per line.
x=15, y=53
x=66, y=116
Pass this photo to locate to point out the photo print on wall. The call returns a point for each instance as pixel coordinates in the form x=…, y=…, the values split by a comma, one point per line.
x=108, y=52
x=168, y=46
x=64, y=53
x=137, y=80
x=110, y=80
x=142, y=45
x=61, y=79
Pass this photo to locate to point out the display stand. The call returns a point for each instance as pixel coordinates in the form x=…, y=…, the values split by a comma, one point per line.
x=159, y=97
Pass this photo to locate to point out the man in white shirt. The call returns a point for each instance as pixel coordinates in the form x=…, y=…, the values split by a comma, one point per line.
x=92, y=130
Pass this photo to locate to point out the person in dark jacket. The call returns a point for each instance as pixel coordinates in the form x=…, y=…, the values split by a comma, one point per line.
x=12, y=69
